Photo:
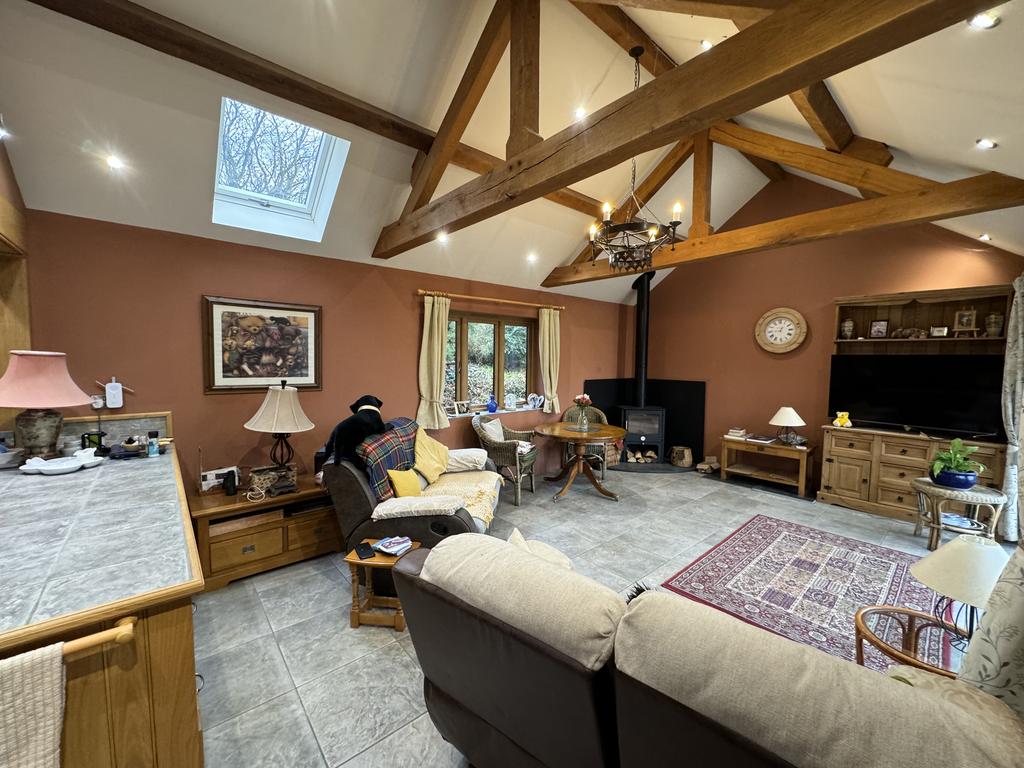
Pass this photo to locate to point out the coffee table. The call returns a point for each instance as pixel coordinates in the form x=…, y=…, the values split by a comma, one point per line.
x=362, y=610
x=914, y=625
x=568, y=432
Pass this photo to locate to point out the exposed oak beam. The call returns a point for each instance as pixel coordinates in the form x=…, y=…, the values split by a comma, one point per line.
x=987, y=192
x=700, y=214
x=168, y=36
x=484, y=60
x=744, y=10
x=801, y=43
x=823, y=115
x=524, y=70
x=649, y=187
x=627, y=33
x=831, y=165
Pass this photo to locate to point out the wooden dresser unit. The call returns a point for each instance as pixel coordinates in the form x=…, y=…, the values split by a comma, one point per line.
x=237, y=537
x=871, y=470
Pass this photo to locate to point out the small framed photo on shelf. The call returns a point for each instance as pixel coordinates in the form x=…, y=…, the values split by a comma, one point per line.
x=964, y=320
x=879, y=329
x=938, y=331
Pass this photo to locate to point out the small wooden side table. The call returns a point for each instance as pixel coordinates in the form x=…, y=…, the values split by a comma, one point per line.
x=931, y=498
x=362, y=610
x=577, y=464
x=801, y=454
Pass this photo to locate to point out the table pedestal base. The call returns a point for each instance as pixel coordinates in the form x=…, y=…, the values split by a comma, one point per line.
x=578, y=465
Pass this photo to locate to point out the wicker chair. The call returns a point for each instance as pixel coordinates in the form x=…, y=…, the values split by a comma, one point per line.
x=595, y=451
x=505, y=454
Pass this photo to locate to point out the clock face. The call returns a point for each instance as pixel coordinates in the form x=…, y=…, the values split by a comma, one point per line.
x=780, y=330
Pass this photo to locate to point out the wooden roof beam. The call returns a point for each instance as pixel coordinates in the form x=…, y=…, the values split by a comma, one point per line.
x=482, y=63
x=700, y=213
x=803, y=42
x=986, y=192
x=524, y=77
x=744, y=10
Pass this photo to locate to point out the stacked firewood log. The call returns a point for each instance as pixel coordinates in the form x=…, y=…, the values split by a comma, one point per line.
x=639, y=457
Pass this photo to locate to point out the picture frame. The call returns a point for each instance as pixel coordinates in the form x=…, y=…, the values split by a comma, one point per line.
x=938, y=331
x=879, y=329
x=251, y=344
x=964, y=320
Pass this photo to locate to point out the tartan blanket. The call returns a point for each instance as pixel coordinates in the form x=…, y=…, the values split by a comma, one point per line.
x=394, y=449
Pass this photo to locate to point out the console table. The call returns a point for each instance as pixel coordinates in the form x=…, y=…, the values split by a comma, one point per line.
x=237, y=537
x=731, y=446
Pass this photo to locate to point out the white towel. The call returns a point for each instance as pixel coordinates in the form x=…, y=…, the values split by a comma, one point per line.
x=32, y=708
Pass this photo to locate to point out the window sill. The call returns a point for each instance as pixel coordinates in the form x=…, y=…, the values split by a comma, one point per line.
x=499, y=412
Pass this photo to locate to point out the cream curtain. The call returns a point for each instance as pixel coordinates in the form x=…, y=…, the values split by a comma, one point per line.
x=1013, y=403
x=430, y=413
x=550, y=352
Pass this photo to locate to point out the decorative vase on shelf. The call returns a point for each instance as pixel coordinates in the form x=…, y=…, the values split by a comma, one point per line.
x=846, y=328
x=994, y=325
x=492, y=405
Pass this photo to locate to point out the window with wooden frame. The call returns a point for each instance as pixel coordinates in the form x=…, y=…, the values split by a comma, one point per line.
x=488, y=354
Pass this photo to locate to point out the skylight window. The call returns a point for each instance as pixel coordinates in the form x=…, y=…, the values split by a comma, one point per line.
x=275, y=175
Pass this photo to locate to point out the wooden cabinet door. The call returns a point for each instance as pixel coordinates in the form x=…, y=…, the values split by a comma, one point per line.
x=849, y=477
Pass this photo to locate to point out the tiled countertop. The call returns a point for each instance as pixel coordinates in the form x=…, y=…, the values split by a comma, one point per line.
x=73, y=543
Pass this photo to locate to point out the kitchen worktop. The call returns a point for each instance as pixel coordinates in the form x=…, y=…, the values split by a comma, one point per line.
x=75, y=547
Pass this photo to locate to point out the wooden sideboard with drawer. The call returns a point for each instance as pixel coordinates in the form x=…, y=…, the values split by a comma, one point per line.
x=871, y=470
x=237, y=537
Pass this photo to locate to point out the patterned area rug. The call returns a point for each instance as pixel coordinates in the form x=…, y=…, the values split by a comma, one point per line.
x=806, y=585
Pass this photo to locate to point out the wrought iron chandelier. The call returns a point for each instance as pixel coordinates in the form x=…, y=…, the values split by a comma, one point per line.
x=630, y=245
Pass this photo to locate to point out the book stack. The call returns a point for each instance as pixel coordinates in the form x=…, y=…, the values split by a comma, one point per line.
x=394, y=545
x=737, y=432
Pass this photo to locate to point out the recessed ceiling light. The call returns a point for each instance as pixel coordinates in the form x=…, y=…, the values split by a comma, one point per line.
x=580, y=113
x=707, y=45
x=985, y=20
x=114, y=162
x=531, y=257
x=442, y=237
x=985, y=236
x=985, y=144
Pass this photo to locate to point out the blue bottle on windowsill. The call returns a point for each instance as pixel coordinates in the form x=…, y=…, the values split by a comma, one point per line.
x=492, y=405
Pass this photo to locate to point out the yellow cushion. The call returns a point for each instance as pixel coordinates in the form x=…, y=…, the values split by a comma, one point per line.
x=431, y=456
x=405, y=482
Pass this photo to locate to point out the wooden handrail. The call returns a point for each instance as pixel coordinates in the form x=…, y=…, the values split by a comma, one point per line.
x=122, y=632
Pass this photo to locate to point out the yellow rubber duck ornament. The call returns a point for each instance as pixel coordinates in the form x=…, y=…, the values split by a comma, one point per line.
x=842, y=419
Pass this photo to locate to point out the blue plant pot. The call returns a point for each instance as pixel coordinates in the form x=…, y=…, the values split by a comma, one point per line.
x=960, y=480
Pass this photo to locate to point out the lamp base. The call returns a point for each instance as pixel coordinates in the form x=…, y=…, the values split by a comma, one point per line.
x=789, y=437
x=282, y=452
x=37, y=430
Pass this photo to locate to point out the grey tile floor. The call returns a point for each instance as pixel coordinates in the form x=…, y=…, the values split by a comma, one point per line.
x=287, y=682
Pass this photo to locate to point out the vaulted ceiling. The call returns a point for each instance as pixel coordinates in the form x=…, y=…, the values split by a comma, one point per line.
x=71, y=93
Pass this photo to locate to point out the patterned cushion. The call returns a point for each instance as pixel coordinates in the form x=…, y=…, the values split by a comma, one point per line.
x=994, y=662
x=395, y=449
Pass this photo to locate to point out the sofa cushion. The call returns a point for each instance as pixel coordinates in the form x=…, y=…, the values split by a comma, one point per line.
x=493, y=429
x=800, y=703
x=431, y=456
x=994, y=661
x=404, y=482
x=478, y=490
x=567, y=611
x=394, y=449
x=416, y=506
x=466, y=459
x=540, y=549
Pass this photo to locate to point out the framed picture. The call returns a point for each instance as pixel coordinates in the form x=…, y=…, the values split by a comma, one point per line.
x=879, y=329
x=964, y=320
x=249, y=345
x=938, y=331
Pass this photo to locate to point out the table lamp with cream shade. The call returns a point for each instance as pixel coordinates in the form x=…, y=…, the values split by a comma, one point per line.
x=39, y=382
x=787, y=418
x=964, y=569
x=281, y=416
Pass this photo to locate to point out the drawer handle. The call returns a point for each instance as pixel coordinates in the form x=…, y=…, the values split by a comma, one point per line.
x=903, y=451
x=318, y=531
x=903, y=474
x=248, y=549
x=849, y=445
x=864, y=480
x=899, y=498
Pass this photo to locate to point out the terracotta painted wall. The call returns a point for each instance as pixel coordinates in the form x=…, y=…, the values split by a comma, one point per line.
x=125, y=302
x=703, y=315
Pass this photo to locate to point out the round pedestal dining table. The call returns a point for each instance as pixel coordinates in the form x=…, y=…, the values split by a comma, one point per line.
x=568, y=432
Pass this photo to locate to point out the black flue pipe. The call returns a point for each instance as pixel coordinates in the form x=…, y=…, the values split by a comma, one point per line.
x=642, y=286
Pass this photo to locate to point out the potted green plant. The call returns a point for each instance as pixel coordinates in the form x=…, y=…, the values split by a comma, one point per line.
x=953, y=468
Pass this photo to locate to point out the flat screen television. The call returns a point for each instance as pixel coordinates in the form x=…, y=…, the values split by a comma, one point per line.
x=941, y=395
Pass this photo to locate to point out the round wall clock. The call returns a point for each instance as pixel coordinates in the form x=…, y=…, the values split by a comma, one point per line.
x=781, y=330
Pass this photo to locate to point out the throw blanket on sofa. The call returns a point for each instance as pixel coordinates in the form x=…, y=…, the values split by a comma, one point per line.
x=479, y=491
x=394, y=449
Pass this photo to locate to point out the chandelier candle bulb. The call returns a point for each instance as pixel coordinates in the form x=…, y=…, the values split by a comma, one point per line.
x=606, y=210
x=677, y=212
x=593, y=232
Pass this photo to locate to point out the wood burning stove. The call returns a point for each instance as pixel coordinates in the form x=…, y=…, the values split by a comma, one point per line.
x=645, y=428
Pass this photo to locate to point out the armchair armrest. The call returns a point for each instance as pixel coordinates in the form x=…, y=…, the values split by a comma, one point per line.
x=514, y=434
x=798, y=703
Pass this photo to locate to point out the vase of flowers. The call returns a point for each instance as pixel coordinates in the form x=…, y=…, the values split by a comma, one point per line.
x=582, y=402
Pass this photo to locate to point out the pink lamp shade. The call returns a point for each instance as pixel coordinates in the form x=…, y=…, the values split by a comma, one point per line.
x=39, y=380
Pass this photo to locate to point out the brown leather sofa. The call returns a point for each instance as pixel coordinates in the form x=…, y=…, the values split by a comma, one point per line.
x=687, y=686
